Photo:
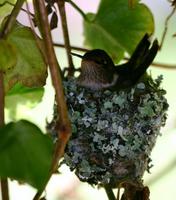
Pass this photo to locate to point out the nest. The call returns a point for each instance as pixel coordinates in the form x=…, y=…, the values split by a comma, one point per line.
x=113, y=131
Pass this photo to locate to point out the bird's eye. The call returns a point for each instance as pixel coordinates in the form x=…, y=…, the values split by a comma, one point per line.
x=102, y=62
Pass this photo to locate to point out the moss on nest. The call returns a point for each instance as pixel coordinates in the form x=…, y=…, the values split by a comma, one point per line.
x=113, y=131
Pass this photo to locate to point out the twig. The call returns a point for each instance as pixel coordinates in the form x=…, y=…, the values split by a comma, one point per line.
x=37, y=40
x=166, y=26
x=78, y=9
x=72, y=47
x=156, y=64
x=118, y=193
x=4, y=181
x=64, y=131
x=61, y=6
x=4, y=189
x=11, y=19
x=109, y=192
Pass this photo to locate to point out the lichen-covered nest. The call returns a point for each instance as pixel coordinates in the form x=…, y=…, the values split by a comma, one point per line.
x=113, y=131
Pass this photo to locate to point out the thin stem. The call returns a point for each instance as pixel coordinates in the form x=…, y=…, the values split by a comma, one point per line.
x=61, y=6
x=166, y=26
x=78, y=9
x=72, y=47
x=118, y=193
x=64, y=129
x=109, y=192
x=155, y=64
x=4, y=189
x=12, y=18
x=4, y=181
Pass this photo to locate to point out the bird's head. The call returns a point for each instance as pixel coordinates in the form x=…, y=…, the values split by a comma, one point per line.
x=97, y=69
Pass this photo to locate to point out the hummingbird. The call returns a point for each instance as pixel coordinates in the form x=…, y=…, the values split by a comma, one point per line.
x=98, y=70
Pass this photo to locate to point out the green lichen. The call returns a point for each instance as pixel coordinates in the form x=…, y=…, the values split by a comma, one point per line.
x=114, y=131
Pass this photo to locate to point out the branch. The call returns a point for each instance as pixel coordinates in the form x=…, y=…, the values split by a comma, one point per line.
x=61, y=6
x=155, y=64
x=109, y=192
x=4, y=189
x=64, y=129
x=166, y=26
x=4, y=182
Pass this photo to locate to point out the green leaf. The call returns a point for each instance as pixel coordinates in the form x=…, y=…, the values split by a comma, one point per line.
x=30, y=70
x=22, y=95
x=7, y=56
x=5, y=8
x=116, y=28
x=25, y=153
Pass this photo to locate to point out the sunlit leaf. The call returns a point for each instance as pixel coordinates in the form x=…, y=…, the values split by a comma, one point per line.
x=21, y=95
x=25, y=153
x=30, y=69
x=117, y=28
x=7, y=56
x=5, y=8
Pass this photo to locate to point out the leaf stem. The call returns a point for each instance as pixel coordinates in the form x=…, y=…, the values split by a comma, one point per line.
x=4, y=181
x=64, y=129
x=109, y=192
x=61, y=6
x=166, y=26
x=12, y=18
x=155, y=64
x=78, y=9
x=4, y=189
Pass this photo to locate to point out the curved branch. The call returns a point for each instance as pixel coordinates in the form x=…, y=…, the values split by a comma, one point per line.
x=61, y=6
x=166, y=26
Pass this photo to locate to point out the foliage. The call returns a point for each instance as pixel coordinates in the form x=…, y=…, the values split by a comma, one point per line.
x=28, y=150
x=25, y=152
x=112, y=21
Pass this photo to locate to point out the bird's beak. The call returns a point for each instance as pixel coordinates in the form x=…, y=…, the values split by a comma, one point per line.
x=77, y=55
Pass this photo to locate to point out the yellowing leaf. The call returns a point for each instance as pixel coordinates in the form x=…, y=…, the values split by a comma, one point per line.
x=7, y=56
x=30, y=70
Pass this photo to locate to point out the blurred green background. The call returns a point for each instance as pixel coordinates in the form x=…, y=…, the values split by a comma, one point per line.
x=162, y=179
